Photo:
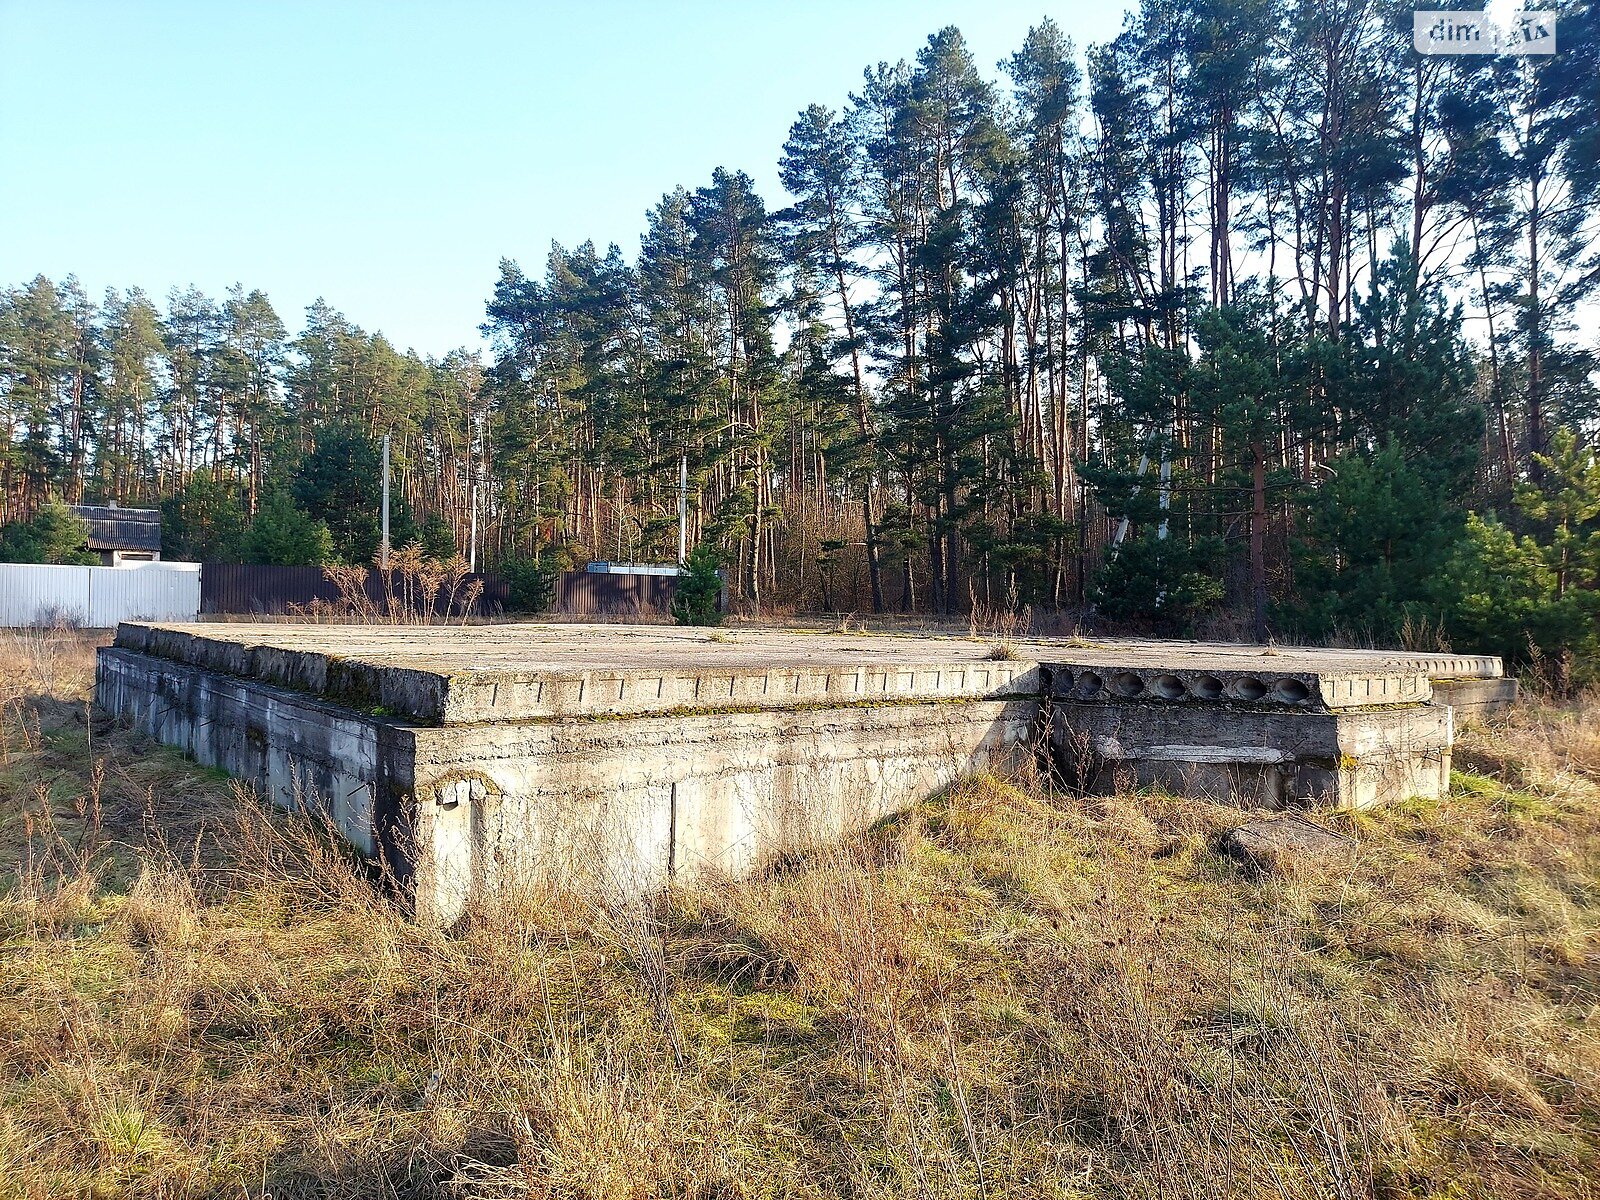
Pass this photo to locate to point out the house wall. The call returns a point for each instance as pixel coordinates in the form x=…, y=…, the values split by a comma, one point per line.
x=129, y=558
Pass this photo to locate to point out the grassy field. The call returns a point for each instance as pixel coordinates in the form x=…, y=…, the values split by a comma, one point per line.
x=1004, y=993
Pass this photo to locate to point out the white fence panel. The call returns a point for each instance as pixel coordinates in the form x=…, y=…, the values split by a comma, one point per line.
x=98, y=597
x=154, y=592
x=40, y=595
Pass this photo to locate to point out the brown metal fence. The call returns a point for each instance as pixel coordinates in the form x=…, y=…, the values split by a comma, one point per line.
x=598, y=594
x=249, y=588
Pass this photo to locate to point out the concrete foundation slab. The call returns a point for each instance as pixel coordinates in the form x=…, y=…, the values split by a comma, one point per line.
x=618, y=757
x=1346, y=758
x=453, y=676
x=1476, y=700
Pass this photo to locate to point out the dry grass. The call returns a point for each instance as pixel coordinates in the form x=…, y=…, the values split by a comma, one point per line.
x=1000, y=625
x=412, y=590
x=999, y=994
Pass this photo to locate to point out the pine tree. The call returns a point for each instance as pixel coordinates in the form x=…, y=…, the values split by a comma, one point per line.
x=36, y=366
x=281, y=534
x=53, y=535
x=696, y=599
x=205, y=522
x=437, y=538
x=124, y=467
x=340, y=483
x=820, y=167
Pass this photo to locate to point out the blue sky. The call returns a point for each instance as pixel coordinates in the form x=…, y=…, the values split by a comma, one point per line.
x=387, y=155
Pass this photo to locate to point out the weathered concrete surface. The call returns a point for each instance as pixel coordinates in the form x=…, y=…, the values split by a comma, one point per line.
x=1476, y=700
x=600, y=800
x=621, y=806
x=450, y=676
x=454, y=676
x=1278, y=844
x=296, y=749
x=1346, y=758
x=618, y=756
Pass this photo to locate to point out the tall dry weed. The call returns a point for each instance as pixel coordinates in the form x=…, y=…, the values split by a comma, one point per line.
x=412, y=590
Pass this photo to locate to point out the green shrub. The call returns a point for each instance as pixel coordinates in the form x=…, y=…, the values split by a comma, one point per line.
x=54, y=534
x=1167, y=581
x=531, y=582
x=282, y=535
x=699, y=591
x=438, y=538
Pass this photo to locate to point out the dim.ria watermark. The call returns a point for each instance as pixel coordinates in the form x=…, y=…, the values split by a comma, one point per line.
x=1529, y=31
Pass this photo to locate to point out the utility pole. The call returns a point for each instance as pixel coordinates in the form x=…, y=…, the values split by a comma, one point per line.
x=1258, y=540
x=683, y=509
x=383, y=551
x=1166, y=495
x=1122, y=525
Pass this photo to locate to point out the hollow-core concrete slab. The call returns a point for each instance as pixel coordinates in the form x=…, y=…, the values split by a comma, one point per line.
x=464, y=675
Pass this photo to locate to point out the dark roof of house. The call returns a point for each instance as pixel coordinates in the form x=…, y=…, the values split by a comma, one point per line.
x=121, y=528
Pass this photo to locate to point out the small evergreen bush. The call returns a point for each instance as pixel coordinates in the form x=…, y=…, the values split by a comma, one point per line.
x=699, y=591
x=531, y=582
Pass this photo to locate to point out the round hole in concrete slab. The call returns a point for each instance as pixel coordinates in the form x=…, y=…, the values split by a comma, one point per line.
x=1208, y=687
x=1168, y=687
x=1127, y=684
x=1088, y=685
x=1292, y=691
x=1249, y=689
